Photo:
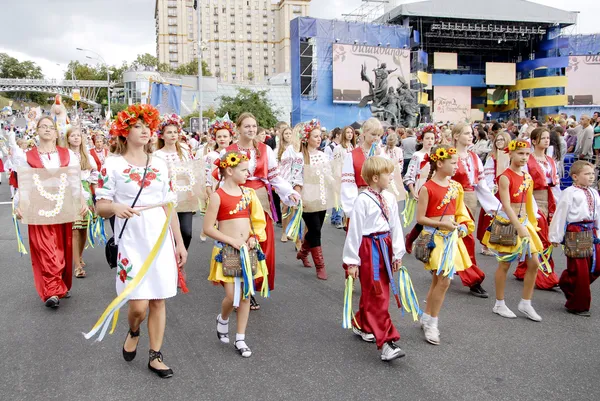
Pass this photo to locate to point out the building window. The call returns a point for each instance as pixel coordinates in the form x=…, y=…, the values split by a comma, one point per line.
x=174, y=64
x=172, y=12
x=172, y=39
x=173, y=56
x=173, y=30
x=172, y=21
x=173, y=48
x=297, y=9
x=172, y=3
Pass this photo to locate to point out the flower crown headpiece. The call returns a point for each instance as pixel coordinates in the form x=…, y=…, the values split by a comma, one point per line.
x=442, y=154
x=231, y=159
x=127, y=118
x=219, y=124
x=171, y=119
x=429, y=128
x=308, y=128
x=516, y=144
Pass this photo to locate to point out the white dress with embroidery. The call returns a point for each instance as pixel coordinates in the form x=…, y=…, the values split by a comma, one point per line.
x=120, y=182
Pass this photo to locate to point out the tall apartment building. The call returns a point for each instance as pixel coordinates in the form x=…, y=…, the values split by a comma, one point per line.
x=242, y=40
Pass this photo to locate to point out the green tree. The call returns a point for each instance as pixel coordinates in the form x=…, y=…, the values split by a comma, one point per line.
x=146, y=60
x=247, y=100
x=191, y=68
x=10, y=67
x=117, y=107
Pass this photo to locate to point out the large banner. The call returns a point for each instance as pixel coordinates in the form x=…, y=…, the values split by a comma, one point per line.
x=451, y=104
x=49, y=196
x=166, y=98
x=359, y=69
x=583, y=86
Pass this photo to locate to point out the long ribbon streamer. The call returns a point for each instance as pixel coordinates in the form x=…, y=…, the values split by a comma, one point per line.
x=373, y=149
x=20, y=245
x=112, y=311
x=408, y=214
x=446, y=266
x=544, y=259
x=348, y=316
x=379, y=247
x=293, y=229
x=410, y=301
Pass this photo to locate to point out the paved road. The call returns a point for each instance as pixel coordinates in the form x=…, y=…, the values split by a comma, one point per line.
x=300, y=349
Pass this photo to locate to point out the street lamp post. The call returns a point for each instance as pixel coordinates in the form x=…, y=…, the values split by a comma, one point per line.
x=99, y=58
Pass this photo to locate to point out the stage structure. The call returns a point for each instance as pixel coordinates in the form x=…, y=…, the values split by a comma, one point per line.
x=343, y=72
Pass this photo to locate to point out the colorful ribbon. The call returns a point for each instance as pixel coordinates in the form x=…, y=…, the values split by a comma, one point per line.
x=294, y=227
x=408, y=214
x=373, y=149
x=20, y=246
x=544, y=259
x=348, y=316
x=521, y=253
x=112, y=311
x=89, y=216
x=380, y=248
x=410, y=302
x=246, y=272
x=262, y=265
x=446, y=265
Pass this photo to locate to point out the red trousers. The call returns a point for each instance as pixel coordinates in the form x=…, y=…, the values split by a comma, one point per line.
x=373, y=315
x=51, y=249
x=268, y=247
x=576, y=279
x=483, y=224
x=469, y=277
x=542, y=281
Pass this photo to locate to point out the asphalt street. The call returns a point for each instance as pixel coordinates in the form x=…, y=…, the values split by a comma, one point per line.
x=300, y=351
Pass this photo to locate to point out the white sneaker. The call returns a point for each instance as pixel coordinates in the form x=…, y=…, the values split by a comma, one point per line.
x=367, y=337
x=504, y=311
x=422, y=322
x=528, y=311
x=432, y=334
x=391, y=351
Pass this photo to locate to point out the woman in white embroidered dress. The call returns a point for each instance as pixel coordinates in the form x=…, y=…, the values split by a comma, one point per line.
x=89, y=179
x=290, y=163
x=414, y=179
x=118, y=185
x=173, y=153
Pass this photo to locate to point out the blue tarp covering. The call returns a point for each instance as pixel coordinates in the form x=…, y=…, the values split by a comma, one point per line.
x=472, y=80
x=550, y=62
x=325, y=32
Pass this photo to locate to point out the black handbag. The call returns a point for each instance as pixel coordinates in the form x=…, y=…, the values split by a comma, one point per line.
x=111, y=251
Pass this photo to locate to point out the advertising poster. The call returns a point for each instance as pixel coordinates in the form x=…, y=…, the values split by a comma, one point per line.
x=583, y=86
x=451, y=104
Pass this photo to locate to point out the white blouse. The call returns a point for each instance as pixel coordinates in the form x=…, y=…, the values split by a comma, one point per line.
x=316, y=158
x=290, y=166
x=396, y=155
x=367, y=218
x=573, y=208
x=414, y=168
x=484, y=193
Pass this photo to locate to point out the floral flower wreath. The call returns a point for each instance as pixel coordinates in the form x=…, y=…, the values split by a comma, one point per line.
x=516, y=144
x=442, y=154
x=231, y=159
x=170, y=119
x=219, y=124
x=127, y=118
x=429, y=128
x=308, y=128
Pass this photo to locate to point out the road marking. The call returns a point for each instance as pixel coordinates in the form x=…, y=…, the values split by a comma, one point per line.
x=6, y=203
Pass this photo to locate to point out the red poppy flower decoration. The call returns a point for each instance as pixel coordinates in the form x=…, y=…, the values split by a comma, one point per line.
x=129, y=117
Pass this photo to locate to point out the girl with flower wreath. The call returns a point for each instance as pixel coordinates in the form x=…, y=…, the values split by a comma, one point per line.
x=51, y=246
x=171, y=151
x=442, y=213
x=515, y=189
x=131, y=169
x=416, y=172
x=263, y=173
x=290, y=163
x=314, y=212
x=546, y=192
x=89, y=180
x=236, y=218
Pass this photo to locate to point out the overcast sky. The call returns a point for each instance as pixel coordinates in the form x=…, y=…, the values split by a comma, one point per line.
x=48, y=32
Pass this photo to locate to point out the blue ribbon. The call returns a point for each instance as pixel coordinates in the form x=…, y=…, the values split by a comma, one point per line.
x=379, y=247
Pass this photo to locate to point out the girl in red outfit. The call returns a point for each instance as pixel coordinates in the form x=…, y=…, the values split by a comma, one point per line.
x=542, y=169
x=263, y=172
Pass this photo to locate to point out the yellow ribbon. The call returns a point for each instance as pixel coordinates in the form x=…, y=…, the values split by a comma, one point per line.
x=408, y=214
x=20, y=246
x=112, y=311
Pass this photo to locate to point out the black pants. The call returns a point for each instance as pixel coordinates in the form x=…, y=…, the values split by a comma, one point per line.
x=314, y=223
x=185, y=225
x=277, y=202
x=405, y=167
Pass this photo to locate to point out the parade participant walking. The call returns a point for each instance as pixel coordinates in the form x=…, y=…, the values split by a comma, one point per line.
x=352, y=181
x=515, y=189
x=89, y=179
x=392, y=152
x=235, y=219
x=414, y=177
x=264, y=173
x=99, y=151
x=494, y=162
x=546, y=186
x=446, y=221
x=51, y=246
x=577, y=218
x=290, y=164
x=171, y=151
x=375, y=227
x=314, y=212
x=130, y=181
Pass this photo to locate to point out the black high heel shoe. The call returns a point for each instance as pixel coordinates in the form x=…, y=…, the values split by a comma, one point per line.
x=162, y=373
x=129, y=356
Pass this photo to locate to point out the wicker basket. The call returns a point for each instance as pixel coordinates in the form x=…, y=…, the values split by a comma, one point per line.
x=579, y=245
x=232, y=266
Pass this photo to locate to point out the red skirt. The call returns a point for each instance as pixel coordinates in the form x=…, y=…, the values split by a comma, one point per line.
x=483, y=224
x=51, y=249
x=268, y=247
x=12, y=179
x=542, y=281
x=576, y=279
x=373, y=315
x=1, y=166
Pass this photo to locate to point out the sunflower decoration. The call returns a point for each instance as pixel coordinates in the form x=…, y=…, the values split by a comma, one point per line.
x=219, y=124
x=231, y=159
x=127, y=118
x=308, y=128
x=442, y=153
x=514, y=145
x=170, y=119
